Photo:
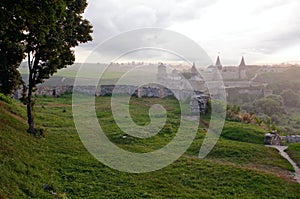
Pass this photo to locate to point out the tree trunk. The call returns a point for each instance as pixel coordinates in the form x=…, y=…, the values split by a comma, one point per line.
x=30, y=119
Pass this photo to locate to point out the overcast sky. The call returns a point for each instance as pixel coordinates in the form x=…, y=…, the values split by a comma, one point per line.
x=264, y=31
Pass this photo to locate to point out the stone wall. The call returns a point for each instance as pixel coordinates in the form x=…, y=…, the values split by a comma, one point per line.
x=291, y=138
x=273, y=138
x=107, y=90
x=198, y=100
x=198, y=104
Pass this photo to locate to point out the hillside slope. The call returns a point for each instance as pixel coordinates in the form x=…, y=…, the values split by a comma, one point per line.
x=59, y=164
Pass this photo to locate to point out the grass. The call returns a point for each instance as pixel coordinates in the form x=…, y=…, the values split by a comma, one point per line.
x=243, y=133
x=236, y=168
x=294, y=152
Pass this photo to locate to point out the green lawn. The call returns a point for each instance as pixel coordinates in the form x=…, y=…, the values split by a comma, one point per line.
x=238, y=167
x=294, y=152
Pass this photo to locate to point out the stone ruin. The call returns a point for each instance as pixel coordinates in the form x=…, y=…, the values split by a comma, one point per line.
x=273, y=138
x=291, y=138
x=198, y=104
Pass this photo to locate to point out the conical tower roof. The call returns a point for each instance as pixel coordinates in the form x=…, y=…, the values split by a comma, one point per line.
x=194, y=65
x=194, y=70
x=218, y=63
x=242, y=64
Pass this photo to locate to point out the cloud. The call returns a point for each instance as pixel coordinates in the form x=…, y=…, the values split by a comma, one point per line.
x=252, y=28
x=111, y=17
x=149, y=44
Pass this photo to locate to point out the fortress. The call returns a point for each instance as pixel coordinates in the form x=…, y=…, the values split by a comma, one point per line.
x=173, y=84
x=230, y=75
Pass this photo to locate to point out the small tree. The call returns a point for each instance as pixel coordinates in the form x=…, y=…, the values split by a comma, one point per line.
x=50, y=30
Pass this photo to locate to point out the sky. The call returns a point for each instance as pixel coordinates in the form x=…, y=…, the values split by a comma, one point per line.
x=263, y=31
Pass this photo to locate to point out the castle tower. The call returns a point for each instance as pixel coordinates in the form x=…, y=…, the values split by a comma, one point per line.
x=242, y=69
x=242, y=64
x=194, y=71
x=218, y=64
x=162, y=73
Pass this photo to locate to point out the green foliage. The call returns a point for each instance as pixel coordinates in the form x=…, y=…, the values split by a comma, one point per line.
x=54, y=29
x=268, y=106
x=276, y=98
x=11, y=50
x=6, y=99
x=290, y=97
x=243, y=133
x=232, y=113
x=46, y=32
x=10, y=78
x=218, y=106
x=280, y=82
x=208, y=106
x=269, y=123
x=275, y=118
x=258, y=121
x=294, y=152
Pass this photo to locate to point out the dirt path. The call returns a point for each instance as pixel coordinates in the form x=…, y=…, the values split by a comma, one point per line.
x=286, y=156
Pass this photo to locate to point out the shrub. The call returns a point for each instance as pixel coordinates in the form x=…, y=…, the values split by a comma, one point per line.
x=290, y=98
x=6, y=99
x=275, y=118
x=246, y=118
x=268, y=106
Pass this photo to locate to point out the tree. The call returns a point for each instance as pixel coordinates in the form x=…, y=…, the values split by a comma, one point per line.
x=50, y=29
x=268, y=106
x=10, y=59
x=276, y=98
x=290, y=98
x=11, y=50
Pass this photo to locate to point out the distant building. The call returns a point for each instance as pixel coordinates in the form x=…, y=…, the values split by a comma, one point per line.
x=228, y=72
x=162, y=73
x=242, y=69
x=195, y=76
x=218, y=64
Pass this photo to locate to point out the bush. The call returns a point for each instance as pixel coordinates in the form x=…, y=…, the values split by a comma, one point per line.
x=290, y=98
x=246, y=118
x=235, y=118
x=6, y=99
x=275, y=118
x=268, y=106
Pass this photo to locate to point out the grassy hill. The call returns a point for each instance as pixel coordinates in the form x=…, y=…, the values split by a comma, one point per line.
x=294, y=152
x=238, y=167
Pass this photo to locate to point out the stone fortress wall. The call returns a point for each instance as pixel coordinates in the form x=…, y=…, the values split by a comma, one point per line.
x=197, y=99
x=155, y=91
